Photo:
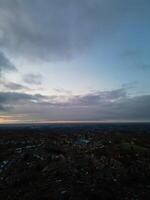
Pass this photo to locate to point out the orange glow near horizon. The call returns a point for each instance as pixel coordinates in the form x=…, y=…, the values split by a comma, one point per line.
x=7, y=120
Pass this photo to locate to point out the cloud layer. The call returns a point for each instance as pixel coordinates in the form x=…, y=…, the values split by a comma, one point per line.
x=5, y=64
x=98, y=106
x=55, y=29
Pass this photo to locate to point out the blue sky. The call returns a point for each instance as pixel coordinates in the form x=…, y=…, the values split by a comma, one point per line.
x=74, y=60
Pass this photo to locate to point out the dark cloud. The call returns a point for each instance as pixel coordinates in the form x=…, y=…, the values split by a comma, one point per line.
x=33, y=79
x=56, y=29
x=2, y=108
x=13, y=98
x=99, y=106
x=97, y=98
x=13, y=86
x=135, y=108
x=5, y=64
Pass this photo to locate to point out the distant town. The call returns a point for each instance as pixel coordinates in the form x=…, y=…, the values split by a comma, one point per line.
x=75, y=162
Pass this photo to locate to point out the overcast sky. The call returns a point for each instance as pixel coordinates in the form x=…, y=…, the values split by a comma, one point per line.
x=74, y=60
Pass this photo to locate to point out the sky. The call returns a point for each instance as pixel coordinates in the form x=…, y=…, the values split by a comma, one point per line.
x=74, y=61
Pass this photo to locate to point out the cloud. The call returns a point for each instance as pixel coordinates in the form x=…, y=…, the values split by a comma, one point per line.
x=13, y=98
x=115, y=105
x=35, y=79
x=99, y=97
x=135, y=108
x=55, y=29
x=5, y=64
x=2, y=108
x=13, y=86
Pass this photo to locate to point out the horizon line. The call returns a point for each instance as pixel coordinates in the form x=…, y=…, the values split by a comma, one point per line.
x=72, y=122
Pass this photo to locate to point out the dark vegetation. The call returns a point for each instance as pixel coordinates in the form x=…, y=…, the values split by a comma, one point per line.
x=71, y=162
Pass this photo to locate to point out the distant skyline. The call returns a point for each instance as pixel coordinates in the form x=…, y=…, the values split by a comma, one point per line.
x=74, y=61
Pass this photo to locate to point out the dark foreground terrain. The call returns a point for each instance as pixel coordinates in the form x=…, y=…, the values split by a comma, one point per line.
x=71, y=162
